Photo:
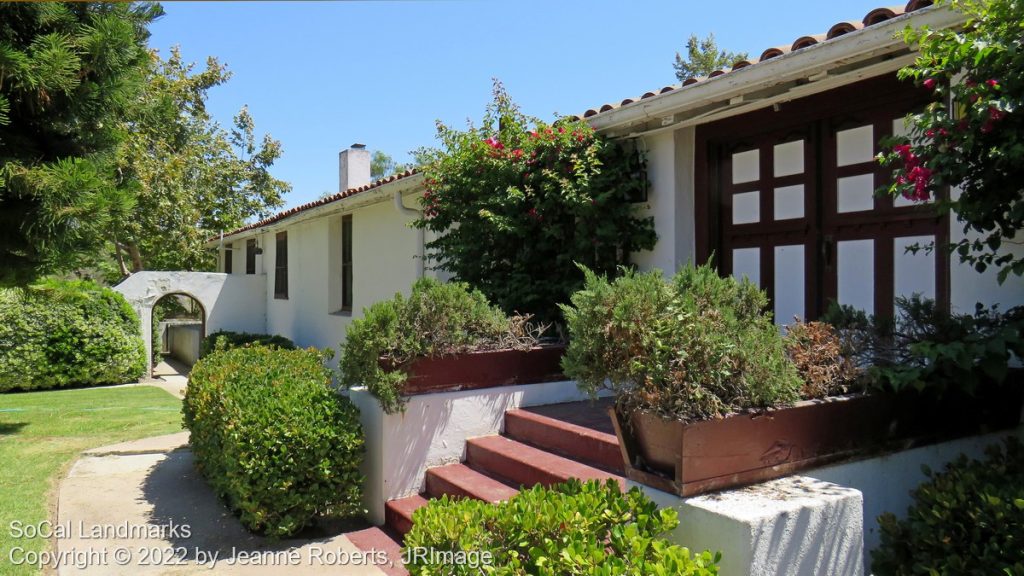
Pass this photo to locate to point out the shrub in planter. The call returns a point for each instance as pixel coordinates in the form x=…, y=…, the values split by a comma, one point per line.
x=927, y=348
x=225, y=340
x=822, y=358
x=696, y=347
x=437, y=319
x=273, y=438
x=570, y=528
x=966, y=520
x=68, y=333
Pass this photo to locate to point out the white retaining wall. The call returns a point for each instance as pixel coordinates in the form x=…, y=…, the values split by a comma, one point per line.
x=433, y=431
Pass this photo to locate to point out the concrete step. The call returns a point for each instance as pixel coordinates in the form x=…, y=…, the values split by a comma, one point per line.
x=462, y=481
x=375, y=540
x=565, y=438
x=398, y=513
x=525, y=465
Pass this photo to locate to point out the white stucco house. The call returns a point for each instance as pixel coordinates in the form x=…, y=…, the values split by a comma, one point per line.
x=769, y=166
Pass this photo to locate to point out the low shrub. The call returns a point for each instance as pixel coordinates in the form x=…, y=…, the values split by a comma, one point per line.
x=966, y=520
x=273, y=438
x=437, y=319
x=225, y=340
x=68, y=333
x=696, y=347
x=927, y=348
x=572, y=528
x=823, y=360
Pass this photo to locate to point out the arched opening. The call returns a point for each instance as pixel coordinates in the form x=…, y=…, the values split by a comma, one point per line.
x=178, y=328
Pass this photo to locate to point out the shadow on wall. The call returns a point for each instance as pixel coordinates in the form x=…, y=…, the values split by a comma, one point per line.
x=437, y=426
x=811, y=541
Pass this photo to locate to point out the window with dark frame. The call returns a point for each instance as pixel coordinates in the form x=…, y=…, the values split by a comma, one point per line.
x=281, y=266
x=228, y=258
x=346, y=263
x=250, y=256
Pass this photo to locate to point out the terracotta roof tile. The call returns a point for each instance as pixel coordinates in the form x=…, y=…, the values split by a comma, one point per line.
x=876, y=16
x=319, y=202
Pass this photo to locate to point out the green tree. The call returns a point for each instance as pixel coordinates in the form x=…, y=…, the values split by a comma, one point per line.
x=516, y=203
x=704, y=57
x=383, y=165
x=191, y=178
x=68, y=71
x=972, y=134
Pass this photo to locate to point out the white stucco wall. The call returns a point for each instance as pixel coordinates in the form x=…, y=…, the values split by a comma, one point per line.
x=433, y=431
x=794, y=526
x=384, y=262
x=230, y=301
x=183, y=341
x=886, y=482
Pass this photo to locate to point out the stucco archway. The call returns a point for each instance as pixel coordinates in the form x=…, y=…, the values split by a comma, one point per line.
x=229, y=301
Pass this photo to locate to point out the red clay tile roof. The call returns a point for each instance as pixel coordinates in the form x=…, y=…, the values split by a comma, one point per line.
x=319, y=202
x=876, y=16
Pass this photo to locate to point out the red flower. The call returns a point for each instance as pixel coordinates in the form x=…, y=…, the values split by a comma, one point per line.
x=992, y=83
x=995, y=114
x=929, y=83
x=518, y=153
x=929, y=133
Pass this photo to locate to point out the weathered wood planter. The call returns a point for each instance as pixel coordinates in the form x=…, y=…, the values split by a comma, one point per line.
x=489, y=369
x=693, y=458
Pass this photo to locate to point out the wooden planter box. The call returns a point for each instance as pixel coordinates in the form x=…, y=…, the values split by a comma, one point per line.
x=475, y=370
x=693, y=458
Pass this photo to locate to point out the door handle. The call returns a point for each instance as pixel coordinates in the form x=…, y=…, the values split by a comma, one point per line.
x=828, y=246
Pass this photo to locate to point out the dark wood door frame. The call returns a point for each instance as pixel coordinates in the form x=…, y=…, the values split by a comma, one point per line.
x=876, y=101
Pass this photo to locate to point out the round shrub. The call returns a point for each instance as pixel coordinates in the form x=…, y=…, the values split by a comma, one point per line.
x=572, y=528
x=272, y=437
x=68, y=333
x=225, y=340
x=967, y=520
x=696, y=347
x=437, y=319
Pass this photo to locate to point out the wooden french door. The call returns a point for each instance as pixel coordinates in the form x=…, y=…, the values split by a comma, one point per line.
x=786, y=199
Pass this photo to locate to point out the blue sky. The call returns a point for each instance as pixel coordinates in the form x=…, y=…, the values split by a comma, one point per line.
x=319, y=76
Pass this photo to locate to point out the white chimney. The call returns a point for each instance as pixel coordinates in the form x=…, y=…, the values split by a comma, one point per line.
x=353, y=167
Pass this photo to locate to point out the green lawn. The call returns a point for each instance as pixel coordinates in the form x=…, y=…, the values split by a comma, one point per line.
x=42, y=433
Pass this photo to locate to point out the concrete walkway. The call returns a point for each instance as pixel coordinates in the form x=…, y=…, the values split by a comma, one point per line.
x=141, y=508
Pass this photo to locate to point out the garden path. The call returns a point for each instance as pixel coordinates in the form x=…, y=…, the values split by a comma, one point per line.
x=137, y=498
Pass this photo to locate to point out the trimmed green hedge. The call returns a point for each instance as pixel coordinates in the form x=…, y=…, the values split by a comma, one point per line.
x=68, y=333
x=225, y=339
x=273, y=438
x=966, y=520
x=572, y=528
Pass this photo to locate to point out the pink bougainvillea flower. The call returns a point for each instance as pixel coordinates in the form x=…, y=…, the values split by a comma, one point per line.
x=992, y=83
x=929, y=133
x=929, y=83
x=943, y=132
x=995, y=114
x=561, y=130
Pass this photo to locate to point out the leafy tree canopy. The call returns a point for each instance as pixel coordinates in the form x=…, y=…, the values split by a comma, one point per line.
x=68, y=72
x=190, y=177
x=383, y=165
x=972, y=135
x=704, y=57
